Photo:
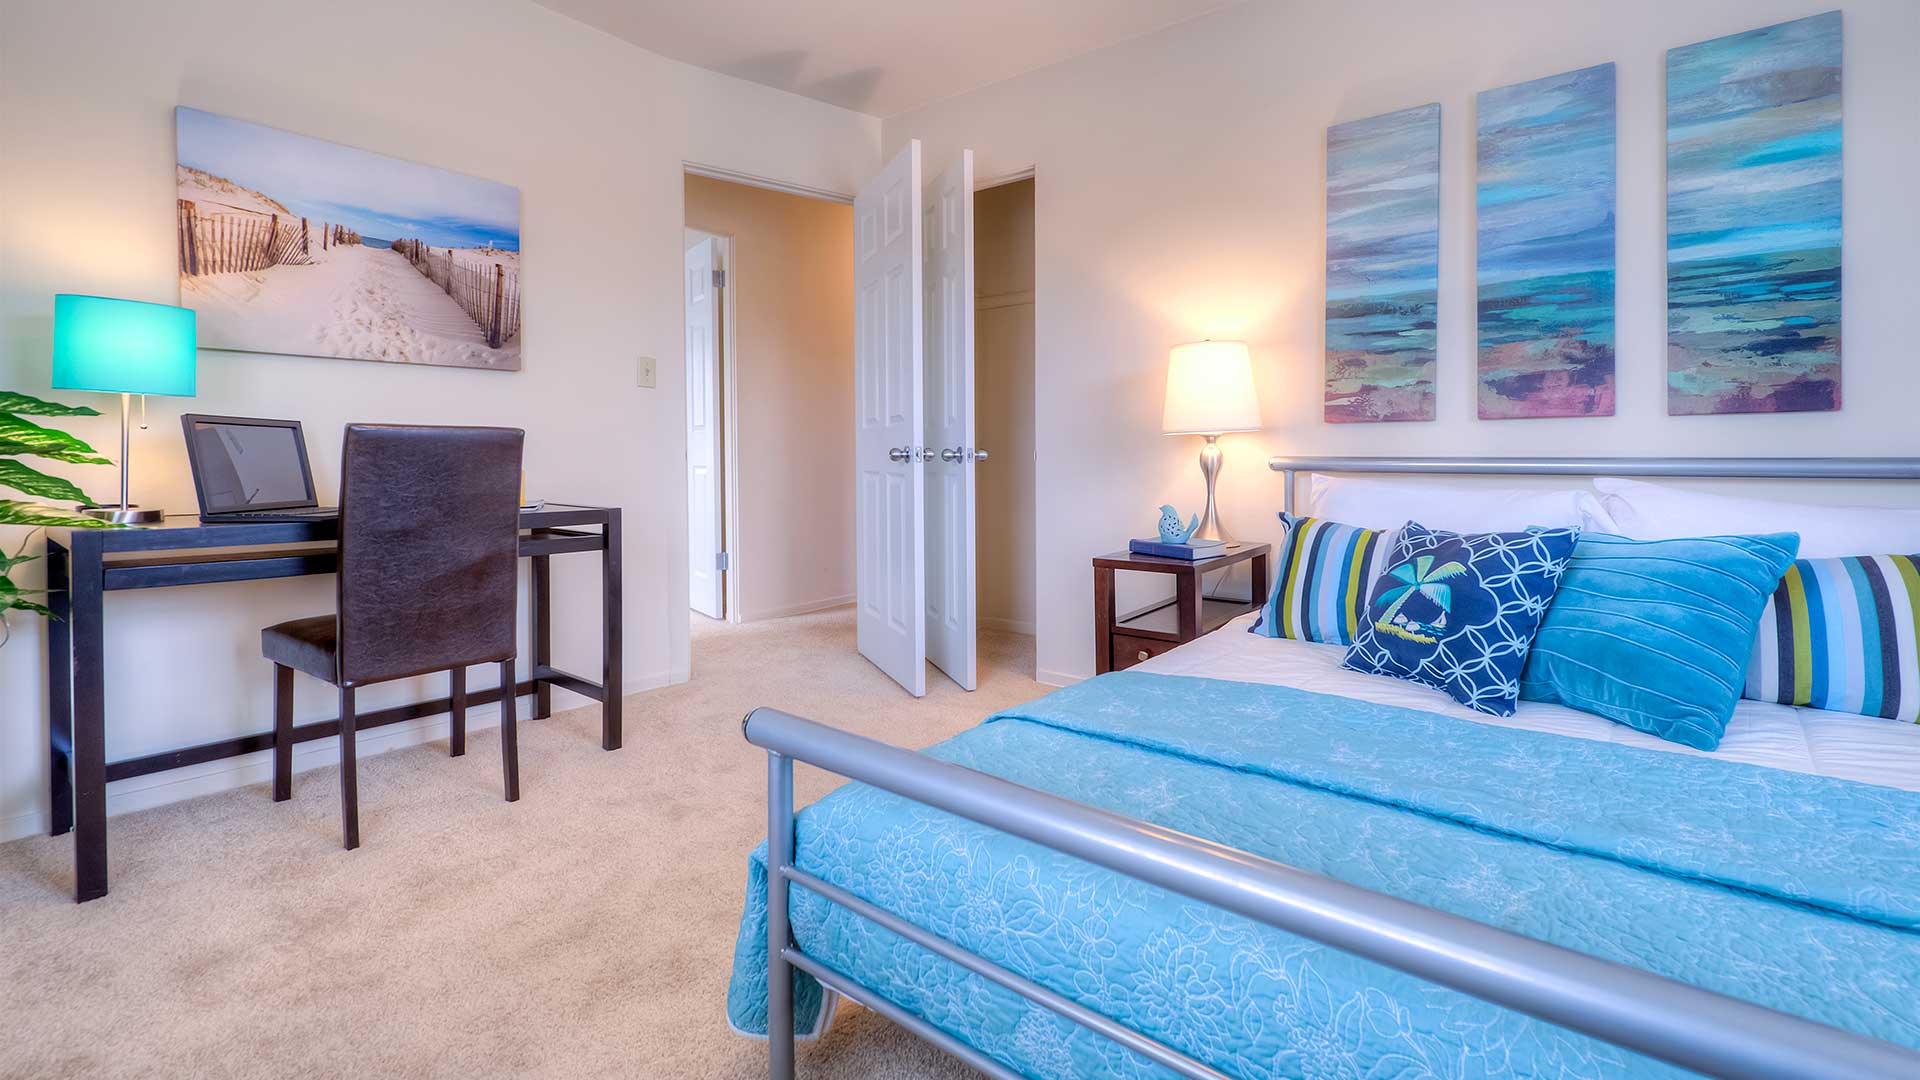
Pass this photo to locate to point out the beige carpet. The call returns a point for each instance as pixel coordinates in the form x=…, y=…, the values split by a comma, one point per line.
x=585, y=931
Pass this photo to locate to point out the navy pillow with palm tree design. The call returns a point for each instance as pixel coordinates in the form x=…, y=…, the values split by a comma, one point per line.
x=1458, y=611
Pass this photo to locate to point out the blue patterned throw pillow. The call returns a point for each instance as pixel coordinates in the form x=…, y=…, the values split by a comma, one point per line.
x=1457, y=611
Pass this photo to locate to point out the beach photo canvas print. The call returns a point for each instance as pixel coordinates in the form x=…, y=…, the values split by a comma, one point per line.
x=1753, y=221
x=1545, y=204
x=1383, y=266
x=303, y=247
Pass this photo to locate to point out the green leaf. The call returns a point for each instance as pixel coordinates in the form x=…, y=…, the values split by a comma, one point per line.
x=8, y=562
x=16, y=512
x=23, y=405
x=19, y=437
x=14, y=603
x=22, y=478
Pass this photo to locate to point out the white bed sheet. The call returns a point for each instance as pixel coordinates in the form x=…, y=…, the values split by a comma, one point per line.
x=1861, y=748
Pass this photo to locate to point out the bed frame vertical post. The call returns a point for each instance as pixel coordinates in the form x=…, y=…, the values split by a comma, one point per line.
x=779, y=970
x=1287, y=502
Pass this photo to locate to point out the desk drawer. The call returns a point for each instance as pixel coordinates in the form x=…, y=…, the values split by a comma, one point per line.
x=1129, y=650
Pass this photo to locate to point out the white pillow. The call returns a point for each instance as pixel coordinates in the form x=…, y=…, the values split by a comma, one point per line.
x=1465, y=508
x=1646, y=511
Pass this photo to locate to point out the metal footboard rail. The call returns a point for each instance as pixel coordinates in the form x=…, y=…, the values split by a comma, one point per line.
x=1662, y=1018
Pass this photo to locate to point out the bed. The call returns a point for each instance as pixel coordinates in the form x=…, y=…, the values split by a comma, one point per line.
x=1240, y=859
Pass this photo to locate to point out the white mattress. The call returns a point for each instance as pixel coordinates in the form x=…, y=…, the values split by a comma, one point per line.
x=1862, y=748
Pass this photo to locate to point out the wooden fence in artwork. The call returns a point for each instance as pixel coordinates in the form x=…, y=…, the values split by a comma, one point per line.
x=489, y=292
x=234, y=241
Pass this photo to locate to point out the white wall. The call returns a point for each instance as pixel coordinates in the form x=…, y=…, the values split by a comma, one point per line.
x=791, y=281
x=1003, y=386
x=1180, y=194
x=592, y=130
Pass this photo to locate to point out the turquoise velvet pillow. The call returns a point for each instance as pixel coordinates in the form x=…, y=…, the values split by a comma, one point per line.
x=1656, y=634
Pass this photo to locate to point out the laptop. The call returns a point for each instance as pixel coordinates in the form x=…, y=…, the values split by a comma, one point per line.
x=246, y=469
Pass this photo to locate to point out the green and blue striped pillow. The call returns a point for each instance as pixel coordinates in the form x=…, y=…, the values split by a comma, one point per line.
x=1321, y=578
x=1840, y=634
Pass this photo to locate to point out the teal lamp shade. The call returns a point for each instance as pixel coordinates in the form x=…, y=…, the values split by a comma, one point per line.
x=122, y=346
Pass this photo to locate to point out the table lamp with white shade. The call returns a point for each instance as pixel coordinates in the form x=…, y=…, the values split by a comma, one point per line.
x=123, y=347
x=1210, y=392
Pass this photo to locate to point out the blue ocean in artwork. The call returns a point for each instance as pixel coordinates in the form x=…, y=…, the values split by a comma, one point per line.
x=1546, y=230
x=1753, y=221
x=1383, y=266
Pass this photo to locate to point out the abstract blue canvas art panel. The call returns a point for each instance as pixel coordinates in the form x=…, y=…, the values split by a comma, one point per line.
x=1383, y=266
x=1753, y=221
x=1546, y=223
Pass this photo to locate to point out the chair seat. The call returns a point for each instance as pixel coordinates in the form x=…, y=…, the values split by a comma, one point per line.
x=305, y=645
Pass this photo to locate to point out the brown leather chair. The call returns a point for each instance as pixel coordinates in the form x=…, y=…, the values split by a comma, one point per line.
x=429, y=562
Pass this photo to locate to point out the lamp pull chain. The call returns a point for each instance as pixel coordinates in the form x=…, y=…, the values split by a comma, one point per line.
x=143, y=412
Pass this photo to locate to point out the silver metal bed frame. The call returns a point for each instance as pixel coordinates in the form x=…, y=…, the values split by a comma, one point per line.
x=1662, y=1018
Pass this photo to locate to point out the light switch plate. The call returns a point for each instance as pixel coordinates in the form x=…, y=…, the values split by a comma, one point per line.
x=646, y=372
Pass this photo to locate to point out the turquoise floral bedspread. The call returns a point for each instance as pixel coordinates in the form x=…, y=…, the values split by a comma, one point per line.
x=1796, y=892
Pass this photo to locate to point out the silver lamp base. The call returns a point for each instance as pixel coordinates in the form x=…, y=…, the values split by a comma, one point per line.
x=1210, y=527
x=126, y=515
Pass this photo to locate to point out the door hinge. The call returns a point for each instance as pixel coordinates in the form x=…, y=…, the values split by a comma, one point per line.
x=719, y=279
x=720, y=561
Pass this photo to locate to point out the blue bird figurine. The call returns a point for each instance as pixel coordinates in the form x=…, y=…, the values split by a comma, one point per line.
x=1170, y=530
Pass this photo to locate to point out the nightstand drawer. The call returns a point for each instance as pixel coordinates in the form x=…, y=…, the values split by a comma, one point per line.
x=1129, y=650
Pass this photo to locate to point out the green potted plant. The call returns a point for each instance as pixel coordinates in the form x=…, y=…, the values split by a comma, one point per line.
x=20, y=438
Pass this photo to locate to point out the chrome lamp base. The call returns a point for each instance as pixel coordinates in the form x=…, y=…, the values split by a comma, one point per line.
x=1210, y=527
x=126, y=515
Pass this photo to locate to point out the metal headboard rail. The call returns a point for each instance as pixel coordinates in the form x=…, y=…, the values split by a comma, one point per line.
x=1812, y=468
x=1662, y=1018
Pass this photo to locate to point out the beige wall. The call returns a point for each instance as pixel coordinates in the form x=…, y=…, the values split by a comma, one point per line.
x=1181, y=194
x=1003, y=388
x=791, y=271
x=594, y=132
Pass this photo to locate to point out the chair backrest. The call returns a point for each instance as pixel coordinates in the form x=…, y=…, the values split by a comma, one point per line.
x=429, y=549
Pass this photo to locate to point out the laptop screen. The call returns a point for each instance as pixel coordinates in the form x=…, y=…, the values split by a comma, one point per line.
x=244, y=466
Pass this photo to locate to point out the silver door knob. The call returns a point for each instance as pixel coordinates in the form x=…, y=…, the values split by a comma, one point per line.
x=952, y=453
x=900, y=453
x=978, y=455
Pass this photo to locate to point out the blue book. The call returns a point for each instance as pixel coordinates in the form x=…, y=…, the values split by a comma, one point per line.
x=1205, y=549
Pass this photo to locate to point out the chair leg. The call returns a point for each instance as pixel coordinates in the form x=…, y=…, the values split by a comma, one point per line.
x=509, y=731
x=457, y=712
x=282, y=733
x=349, y=773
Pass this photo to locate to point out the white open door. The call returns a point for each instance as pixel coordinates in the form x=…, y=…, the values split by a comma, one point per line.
x=889, y=494
x=704, y=501
x=951, y=553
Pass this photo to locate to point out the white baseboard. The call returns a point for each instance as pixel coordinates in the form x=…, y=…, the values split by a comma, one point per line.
x=158, y=789
x=806, y=608
x=1058, y=678
x=1007, y=626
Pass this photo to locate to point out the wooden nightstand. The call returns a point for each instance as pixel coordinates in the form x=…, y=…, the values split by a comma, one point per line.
x=1120, y=644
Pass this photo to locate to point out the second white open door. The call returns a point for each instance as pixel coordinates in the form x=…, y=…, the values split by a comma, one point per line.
x=952, y=608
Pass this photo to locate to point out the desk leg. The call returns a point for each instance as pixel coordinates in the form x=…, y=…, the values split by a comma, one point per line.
x=89, y=721
x=59, y=692
x=540, y=590
x=611, y=613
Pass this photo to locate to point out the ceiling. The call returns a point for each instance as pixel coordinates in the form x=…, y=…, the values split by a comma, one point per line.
x=881, y=57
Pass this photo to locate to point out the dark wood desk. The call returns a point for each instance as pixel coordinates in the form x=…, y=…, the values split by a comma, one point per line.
x=1119, y=643
x=179, y=551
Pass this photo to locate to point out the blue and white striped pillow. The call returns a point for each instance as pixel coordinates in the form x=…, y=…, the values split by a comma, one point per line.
x=1840, y=634
x=1321, y=579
